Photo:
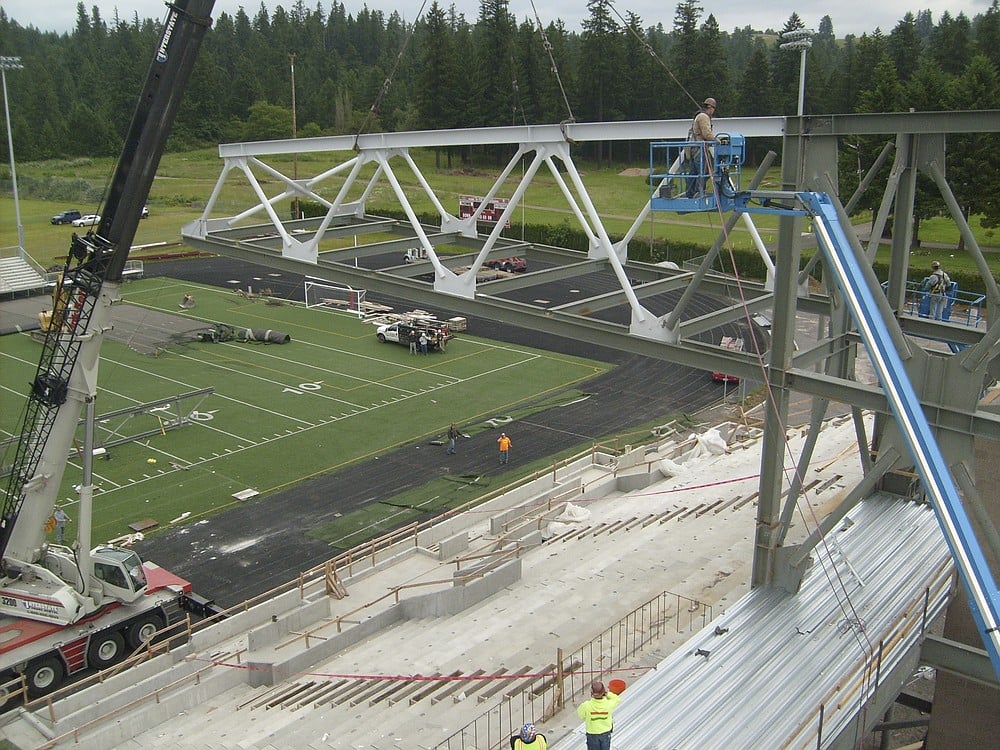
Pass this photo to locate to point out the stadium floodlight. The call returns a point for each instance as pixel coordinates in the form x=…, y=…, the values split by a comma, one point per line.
x=801, y=40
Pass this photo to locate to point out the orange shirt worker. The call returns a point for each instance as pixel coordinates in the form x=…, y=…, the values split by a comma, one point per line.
x=504, y=442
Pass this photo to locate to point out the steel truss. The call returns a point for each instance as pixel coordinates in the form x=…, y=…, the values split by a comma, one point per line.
x=649, y=309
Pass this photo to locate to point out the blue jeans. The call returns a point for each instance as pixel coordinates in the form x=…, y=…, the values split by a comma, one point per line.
x=696, y=168
x=599, y=741
x=503, y=457
x=451, y=445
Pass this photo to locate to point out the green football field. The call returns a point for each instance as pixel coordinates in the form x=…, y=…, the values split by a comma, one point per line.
x=279, y=414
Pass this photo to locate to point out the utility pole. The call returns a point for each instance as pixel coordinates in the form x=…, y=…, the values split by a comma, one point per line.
x=12, y=63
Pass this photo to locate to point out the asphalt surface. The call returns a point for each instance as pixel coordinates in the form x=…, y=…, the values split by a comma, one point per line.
x=262, y=544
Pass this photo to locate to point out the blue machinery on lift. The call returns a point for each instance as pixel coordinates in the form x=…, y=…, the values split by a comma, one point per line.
x=726, y=158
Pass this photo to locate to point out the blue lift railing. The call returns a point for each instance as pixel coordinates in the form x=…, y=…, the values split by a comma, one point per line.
x=961, y=307
x=850, y=270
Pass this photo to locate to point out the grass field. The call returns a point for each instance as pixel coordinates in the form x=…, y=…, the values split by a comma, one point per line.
x=185, y=181
x=280, y=414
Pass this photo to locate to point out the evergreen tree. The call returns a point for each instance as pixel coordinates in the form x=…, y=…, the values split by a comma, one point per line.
x=885, y=93
x=926, y=90
x=905, y=47
x=753, y=94
x=602, y=53
x=871, y=51
x=713, y=76
x=492, y=100
x=951, y=43
x=974, y=158
x=684, y=60
x=559, y=102
x=988, y=35
x=529, y=72
x=438, y=84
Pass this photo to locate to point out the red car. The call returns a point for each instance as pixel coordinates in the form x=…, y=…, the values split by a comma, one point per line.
x=510, y=265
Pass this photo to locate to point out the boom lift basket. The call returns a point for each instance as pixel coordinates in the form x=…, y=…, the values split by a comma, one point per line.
x=675, y=167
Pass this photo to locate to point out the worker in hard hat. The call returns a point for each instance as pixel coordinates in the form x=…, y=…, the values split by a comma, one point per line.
x=701, y=154
x=596, y=715
x=527, y=738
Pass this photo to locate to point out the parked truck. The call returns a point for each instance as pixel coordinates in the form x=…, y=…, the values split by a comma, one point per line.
x=65, y=609
x=438, y=333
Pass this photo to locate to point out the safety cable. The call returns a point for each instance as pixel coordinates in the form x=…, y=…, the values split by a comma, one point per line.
x=852, y=618
x=547, y=46
x=373, y=110
x=652, y=53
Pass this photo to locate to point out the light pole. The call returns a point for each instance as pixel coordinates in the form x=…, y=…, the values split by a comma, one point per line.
x=12, y=63
x=799, y=39
x=295, y=168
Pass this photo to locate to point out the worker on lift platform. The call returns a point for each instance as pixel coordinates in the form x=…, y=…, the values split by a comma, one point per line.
x=722, y=161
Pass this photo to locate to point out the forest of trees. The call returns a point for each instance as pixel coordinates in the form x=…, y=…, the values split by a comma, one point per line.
x=359, y=71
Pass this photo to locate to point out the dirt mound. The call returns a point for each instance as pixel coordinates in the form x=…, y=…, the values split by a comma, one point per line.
x=469, y=172
x=634, y=172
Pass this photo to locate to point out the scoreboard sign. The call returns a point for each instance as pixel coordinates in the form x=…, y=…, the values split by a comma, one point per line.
x=467, y=205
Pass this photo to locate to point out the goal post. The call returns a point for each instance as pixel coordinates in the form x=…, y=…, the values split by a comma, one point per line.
x=337, y=297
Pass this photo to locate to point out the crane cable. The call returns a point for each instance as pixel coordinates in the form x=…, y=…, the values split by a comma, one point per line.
x=373, y=110
x=867, y=647
x=852, y=620
x=652, y=53
x=547, y=46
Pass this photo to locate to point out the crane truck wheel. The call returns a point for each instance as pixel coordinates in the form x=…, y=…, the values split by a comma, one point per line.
x=44, y=675
x=143, y=630
x=105, y=649
x=381, y=338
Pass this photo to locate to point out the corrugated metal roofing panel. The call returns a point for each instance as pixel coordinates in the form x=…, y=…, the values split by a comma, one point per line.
x=771, y=662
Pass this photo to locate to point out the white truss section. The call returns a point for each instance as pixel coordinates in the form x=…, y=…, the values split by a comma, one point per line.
x=544, y=145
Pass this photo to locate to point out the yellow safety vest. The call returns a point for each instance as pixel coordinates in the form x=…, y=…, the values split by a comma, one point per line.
x=537, y=744
x=596, y=713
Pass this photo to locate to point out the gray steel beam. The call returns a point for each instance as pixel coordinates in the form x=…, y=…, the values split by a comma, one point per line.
x=983, y=121
x=698, y=355
x=958, y=658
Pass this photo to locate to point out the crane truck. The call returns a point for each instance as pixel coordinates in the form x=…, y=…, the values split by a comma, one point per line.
x=65, y=609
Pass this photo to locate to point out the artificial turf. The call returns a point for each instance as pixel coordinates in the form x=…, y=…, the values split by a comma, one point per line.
x=279, y=414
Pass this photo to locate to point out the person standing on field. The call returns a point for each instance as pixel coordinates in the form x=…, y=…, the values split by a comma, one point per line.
x=596, y=715
x=504, y=442
x=61, y=518
x=452, y=437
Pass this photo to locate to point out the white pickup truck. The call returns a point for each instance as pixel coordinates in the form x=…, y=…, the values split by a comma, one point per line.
x=438, y=334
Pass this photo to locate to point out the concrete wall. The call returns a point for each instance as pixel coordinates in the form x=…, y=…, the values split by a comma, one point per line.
x=281, y=627
x=460, y=597
x=967, y=713
x=269, y=666
x=274, y=666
